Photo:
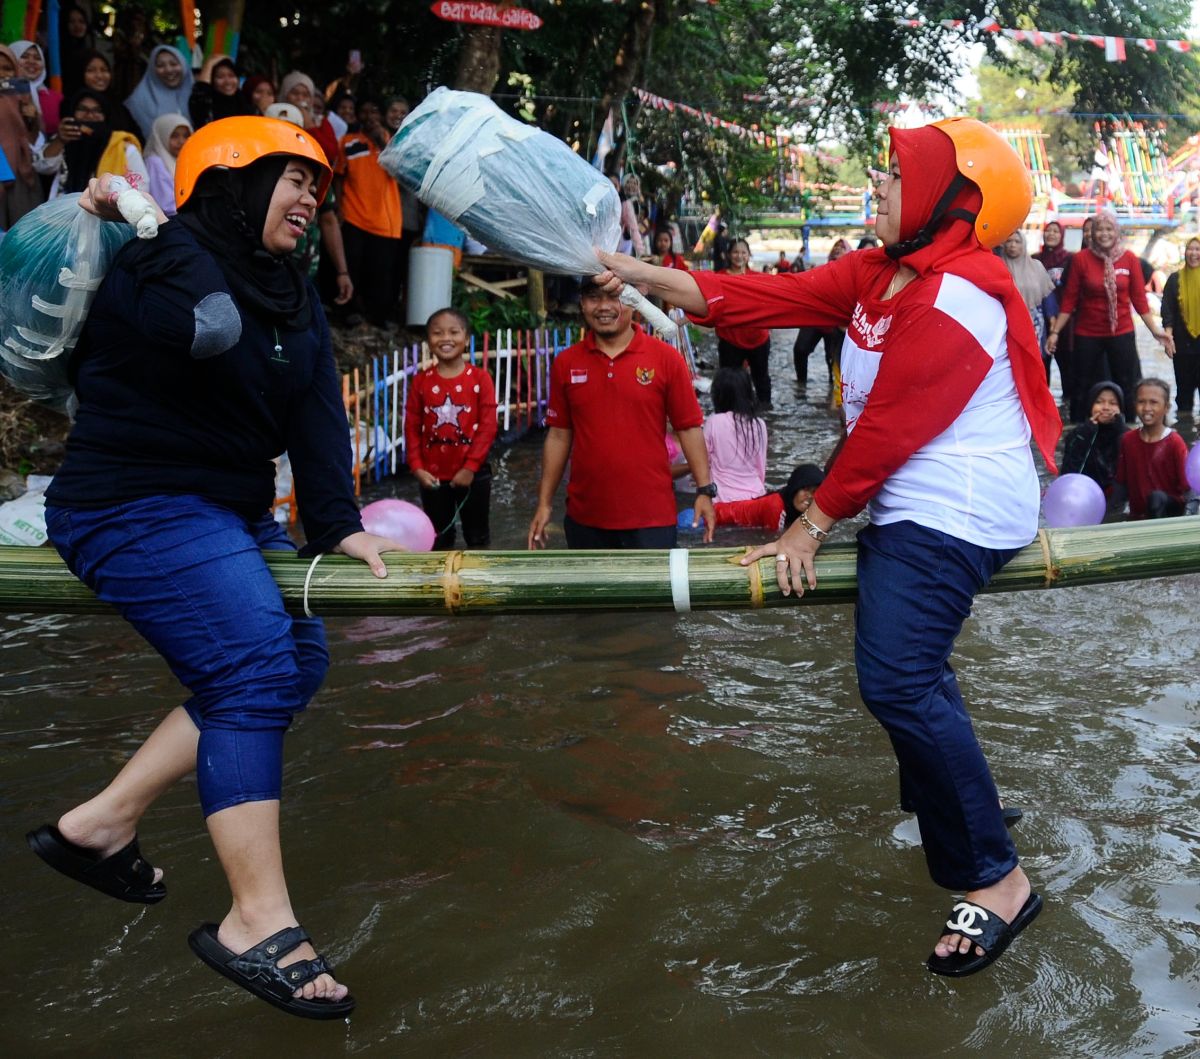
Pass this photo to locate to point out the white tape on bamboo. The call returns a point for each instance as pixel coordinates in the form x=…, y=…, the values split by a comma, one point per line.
x=681, y=591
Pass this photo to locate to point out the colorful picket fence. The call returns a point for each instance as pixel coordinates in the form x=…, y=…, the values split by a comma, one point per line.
x=376, y=395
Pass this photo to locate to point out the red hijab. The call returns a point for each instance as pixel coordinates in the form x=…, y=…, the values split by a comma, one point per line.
x=927, y=169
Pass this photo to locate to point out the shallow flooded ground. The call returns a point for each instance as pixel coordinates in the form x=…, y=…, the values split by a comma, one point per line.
x=635, y=834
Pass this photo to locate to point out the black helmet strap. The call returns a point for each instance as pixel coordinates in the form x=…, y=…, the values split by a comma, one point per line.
x=941, y=211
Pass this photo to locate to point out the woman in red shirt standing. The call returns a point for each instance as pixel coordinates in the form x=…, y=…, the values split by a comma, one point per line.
x=738, y=346
x=1104, y=281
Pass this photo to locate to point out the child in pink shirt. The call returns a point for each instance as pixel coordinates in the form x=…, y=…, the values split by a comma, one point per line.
x=736, y=438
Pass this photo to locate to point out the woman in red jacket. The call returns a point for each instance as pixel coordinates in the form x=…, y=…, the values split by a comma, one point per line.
x=943, y=387
x=1103, y=283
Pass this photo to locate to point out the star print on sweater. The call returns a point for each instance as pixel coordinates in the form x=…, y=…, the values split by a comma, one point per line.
x=449, y=424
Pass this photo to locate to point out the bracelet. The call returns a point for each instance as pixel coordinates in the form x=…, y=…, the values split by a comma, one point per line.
x=343, y=273
x=813, y=530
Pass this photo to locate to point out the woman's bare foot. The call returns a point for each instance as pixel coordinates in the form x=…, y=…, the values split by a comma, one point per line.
x=239, y=931
x=93, y=826
x=1005, y=898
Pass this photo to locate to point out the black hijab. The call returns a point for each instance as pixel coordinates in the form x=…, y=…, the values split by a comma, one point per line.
x=207, y=104
x=83, y=155
x=803, y=476
x=226, y=213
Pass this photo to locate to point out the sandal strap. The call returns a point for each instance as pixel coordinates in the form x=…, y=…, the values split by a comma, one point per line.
x=262, y=960
x=978, y=924
x=129, y=866
x=304, y=971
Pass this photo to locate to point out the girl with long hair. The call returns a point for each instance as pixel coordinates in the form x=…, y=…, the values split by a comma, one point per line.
x=736, y=437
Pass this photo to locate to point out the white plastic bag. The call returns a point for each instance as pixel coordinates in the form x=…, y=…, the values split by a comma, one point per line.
x=23, y=521
x=513, y=187
x=52, y=262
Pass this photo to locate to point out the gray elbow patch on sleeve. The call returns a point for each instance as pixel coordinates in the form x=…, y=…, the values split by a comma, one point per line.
x=218, y=325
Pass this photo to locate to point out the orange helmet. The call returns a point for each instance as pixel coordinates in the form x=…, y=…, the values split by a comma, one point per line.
x=986, y=159
x=232, y=143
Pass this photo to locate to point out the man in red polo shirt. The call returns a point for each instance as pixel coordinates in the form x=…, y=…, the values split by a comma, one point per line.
x=611, y=396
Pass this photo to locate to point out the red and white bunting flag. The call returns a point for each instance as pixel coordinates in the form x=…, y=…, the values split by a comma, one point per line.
x=1092, y=38
x=1179, y=45
x=1149, y=43
x=1037, y=38
x=1114, y=49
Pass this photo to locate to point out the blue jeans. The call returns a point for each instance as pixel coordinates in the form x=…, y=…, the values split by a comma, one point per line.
x=189, y=575
x=915, y=589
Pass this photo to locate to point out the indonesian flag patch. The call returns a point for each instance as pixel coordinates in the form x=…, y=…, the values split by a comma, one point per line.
x=578, y=375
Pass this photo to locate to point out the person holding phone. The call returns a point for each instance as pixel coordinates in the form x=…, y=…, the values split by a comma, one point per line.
x=19, y=135
x=32, y=66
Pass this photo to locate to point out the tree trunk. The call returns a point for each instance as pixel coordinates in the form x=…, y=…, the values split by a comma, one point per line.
x=479, y=61
x=627, y=66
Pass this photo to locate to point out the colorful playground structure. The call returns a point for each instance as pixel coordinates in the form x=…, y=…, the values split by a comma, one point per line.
x=1133, y=173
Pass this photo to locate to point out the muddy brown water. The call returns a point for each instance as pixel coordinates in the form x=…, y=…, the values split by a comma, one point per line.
x=635, y=834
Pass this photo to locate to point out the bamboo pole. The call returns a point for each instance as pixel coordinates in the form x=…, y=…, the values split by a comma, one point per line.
x=35, y=580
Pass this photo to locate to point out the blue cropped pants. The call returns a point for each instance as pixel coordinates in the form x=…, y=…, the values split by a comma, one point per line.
x=189, y=575
x=915, y=589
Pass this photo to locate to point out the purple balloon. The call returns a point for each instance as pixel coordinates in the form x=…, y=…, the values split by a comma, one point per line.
x=400, y=521
x=1073, y=500
x=1192, y=468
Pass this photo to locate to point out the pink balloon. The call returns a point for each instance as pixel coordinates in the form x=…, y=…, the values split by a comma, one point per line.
x=1192, y=467
x=1073, y=500
x=400, y=521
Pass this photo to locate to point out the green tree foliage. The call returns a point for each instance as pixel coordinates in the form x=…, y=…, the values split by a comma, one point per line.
x=818, y=66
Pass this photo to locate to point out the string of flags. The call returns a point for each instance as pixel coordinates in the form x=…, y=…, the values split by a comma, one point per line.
x=712, y=120
x=1114, y=47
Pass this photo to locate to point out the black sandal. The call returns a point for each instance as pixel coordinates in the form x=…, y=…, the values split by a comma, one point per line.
x=126, y=875
x=984, y=928
x=257, y=971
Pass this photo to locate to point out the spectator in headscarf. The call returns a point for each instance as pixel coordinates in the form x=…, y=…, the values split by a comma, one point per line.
x=298, y=89
x=1181, y=320
x=259, y=91
x=31, y=65
x=97, y=76
x=167, y=137
x=216, y=94
x=1056, y=260
x=1103, y=285
x=76, y=40
x=165, y=88
x=25, y=192
x=88, y=145
x=1035, y=287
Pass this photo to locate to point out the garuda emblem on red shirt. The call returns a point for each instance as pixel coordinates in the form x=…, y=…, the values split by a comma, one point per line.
x=644, y=375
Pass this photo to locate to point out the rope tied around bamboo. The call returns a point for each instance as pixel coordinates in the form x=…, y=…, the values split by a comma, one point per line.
x=35, y=580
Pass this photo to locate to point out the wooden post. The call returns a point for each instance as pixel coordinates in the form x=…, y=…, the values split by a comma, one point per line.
x=537, y=293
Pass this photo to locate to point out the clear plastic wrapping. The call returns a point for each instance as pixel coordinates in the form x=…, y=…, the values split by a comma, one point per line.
x=515, y=188
x=51, y=264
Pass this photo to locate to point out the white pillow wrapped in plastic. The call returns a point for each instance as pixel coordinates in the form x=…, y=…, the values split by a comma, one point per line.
x=52, y=262
x=513, y=187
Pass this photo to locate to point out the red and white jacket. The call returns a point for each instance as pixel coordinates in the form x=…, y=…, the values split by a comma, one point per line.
x=936, y=433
